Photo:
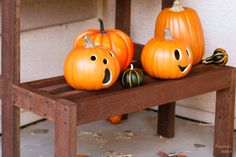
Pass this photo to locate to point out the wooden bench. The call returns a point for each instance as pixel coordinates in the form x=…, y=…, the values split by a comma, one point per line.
x=54, y=100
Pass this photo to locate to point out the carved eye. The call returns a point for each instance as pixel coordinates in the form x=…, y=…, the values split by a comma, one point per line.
x=177, y=55
x=105, y=61
x=111, y=54
x=188, y=53
x=93, y=57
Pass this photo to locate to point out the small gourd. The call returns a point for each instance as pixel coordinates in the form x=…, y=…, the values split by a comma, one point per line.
x=132, y=77
x=219, y=57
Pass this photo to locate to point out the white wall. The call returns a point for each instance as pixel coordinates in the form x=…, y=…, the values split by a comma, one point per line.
x=219, y=24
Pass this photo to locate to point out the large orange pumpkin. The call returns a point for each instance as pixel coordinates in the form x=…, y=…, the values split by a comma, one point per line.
x=91, y=67
x=119, y=42
x=166, y=58
x=185, y=25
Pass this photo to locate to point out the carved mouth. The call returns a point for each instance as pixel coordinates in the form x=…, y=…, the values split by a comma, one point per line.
x=183, y=69
x=107, y=77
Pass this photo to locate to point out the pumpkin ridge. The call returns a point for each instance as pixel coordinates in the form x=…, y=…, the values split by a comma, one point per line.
x=129, y=46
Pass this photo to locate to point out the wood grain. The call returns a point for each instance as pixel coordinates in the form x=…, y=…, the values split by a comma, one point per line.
x=167, y=3
x=33, y=100
x=166, y=112
x=224, y=120
x=65, y=129
x=10, y=74
x=123, y=14
x=166, y=120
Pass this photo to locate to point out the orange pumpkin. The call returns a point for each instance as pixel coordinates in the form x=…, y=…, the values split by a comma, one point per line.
x=91, y=67
x=119, y=42
x=115, y=119
x=166, y=58
x=185, y=25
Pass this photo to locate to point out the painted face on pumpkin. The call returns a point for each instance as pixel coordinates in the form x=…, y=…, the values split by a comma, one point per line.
x=103, y=63
x=184, y=60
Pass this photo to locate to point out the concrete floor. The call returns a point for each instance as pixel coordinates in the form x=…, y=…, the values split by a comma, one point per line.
x=136, y=136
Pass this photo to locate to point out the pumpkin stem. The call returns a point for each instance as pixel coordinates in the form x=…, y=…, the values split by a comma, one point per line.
x=88, y=42
x=131, y=67
x=102, y=29
x=177, y=6
x=167, y=34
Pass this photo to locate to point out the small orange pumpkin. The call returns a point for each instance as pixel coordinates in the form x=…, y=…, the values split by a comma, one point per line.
x=91, y=67
x=185, y=25
x=119, y=42
x=115, y=119
x=166, y=58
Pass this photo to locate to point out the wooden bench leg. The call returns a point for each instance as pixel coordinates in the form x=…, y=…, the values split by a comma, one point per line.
x=65, y=129
x=10, y=124
x=224, y=122
x=166, y=120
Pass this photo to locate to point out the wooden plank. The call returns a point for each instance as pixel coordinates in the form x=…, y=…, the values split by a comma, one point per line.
x=46, y=82
x=38, y=102
x=123, y=14
x=197, y=70
x=130, y=100
x=65, y=129
x=166, y=112
x=166, y=120
x=58, y=88
x=10, y=74
x=224, y=120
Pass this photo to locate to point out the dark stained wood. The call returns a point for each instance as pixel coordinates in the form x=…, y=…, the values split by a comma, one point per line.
x=1, y=86
x=224, y=120
x=65, y=129
x=58, y=88
x=38, y=102
x=46, y=82
x=130, y=100
x=10, y=74
x=167, y=3
x=166, y=120
x=166, y=112
x=123, y=12
x=137, y=55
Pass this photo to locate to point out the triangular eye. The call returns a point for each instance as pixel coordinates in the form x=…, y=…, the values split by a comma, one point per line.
x=177, y=54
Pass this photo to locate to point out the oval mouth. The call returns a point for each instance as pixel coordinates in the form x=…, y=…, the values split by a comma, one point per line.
x=183, y=69
x=107, y=77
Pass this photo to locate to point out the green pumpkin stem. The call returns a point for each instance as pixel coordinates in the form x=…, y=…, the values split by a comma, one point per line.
x=167, y=34
x=177, y=6
x=88, y=42
x=102, y=29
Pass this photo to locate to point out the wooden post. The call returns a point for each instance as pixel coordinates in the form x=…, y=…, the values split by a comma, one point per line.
x=166, y=113
x=224, y=121
x=123, y=13
x=10, y=74
x=65, y=129
x=166, y=120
